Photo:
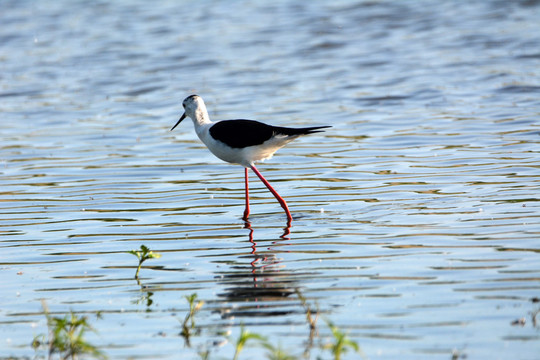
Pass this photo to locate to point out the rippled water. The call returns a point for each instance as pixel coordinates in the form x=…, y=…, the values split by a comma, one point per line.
x=416, y=216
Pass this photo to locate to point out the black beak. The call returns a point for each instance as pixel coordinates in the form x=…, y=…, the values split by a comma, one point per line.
x=179, y=120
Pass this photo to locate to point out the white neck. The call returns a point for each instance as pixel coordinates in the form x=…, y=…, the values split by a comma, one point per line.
x=200, y=115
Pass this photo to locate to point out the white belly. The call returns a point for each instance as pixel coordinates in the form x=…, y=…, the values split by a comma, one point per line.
x=244, y=156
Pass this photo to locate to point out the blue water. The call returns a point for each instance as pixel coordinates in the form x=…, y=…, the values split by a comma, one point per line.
x=416, y=216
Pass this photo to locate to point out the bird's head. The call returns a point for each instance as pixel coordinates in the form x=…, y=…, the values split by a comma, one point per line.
x=194, y=108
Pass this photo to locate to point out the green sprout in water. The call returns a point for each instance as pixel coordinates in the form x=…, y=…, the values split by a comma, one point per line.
x=204, y=354
x=194, y=307
x=311, y=320
x=66, y=337
x=144, y=254
x=244, y=337
x=277, y=353
x=341, y=344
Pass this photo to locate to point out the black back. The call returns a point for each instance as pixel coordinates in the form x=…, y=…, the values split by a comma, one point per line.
x=241, y=133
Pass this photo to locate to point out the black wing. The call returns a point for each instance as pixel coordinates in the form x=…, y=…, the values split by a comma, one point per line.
x=243, y=133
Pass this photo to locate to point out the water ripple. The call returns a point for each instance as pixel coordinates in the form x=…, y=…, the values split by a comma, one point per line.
x=415, y=215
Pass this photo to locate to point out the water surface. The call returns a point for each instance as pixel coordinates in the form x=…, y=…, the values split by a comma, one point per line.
x=415, y=216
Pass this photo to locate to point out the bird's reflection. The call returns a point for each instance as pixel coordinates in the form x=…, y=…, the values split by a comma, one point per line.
x=261, y=286
x=263, y=259
x=263, y=278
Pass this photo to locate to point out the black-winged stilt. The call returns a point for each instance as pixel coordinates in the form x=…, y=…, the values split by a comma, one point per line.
x=242, y=141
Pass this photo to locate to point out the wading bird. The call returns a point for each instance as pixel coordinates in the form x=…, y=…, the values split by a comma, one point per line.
x=242, y=141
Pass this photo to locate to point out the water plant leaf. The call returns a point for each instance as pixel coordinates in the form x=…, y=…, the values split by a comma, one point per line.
x=66, y=336
x=243, y=339
x=142, y=255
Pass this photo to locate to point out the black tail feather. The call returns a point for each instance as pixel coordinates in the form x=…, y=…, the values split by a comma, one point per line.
x=298, y=131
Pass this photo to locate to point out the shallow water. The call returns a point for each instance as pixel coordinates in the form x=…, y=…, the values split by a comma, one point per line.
x=415, y=216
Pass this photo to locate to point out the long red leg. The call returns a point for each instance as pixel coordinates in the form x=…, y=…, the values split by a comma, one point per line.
x=246, y=211
x=274, y=192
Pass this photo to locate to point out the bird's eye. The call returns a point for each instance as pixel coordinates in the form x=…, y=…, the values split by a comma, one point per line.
x=184, y=105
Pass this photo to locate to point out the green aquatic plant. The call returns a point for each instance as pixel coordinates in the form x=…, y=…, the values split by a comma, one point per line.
x=341, y=343
x=243, y=339
x=66, y=337
x=144, y=254
x=311, y=320
x=145, y=298
x=277, y=353
x=194, y=307
x=204, y=354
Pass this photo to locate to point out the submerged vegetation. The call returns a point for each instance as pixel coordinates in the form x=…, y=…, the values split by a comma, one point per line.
x=194, y=307
x=243, y=339
x=339, y=345
x=65, y=337
x=143, y=254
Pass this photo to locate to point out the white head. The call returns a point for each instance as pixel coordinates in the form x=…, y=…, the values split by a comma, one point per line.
x=194, y=108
